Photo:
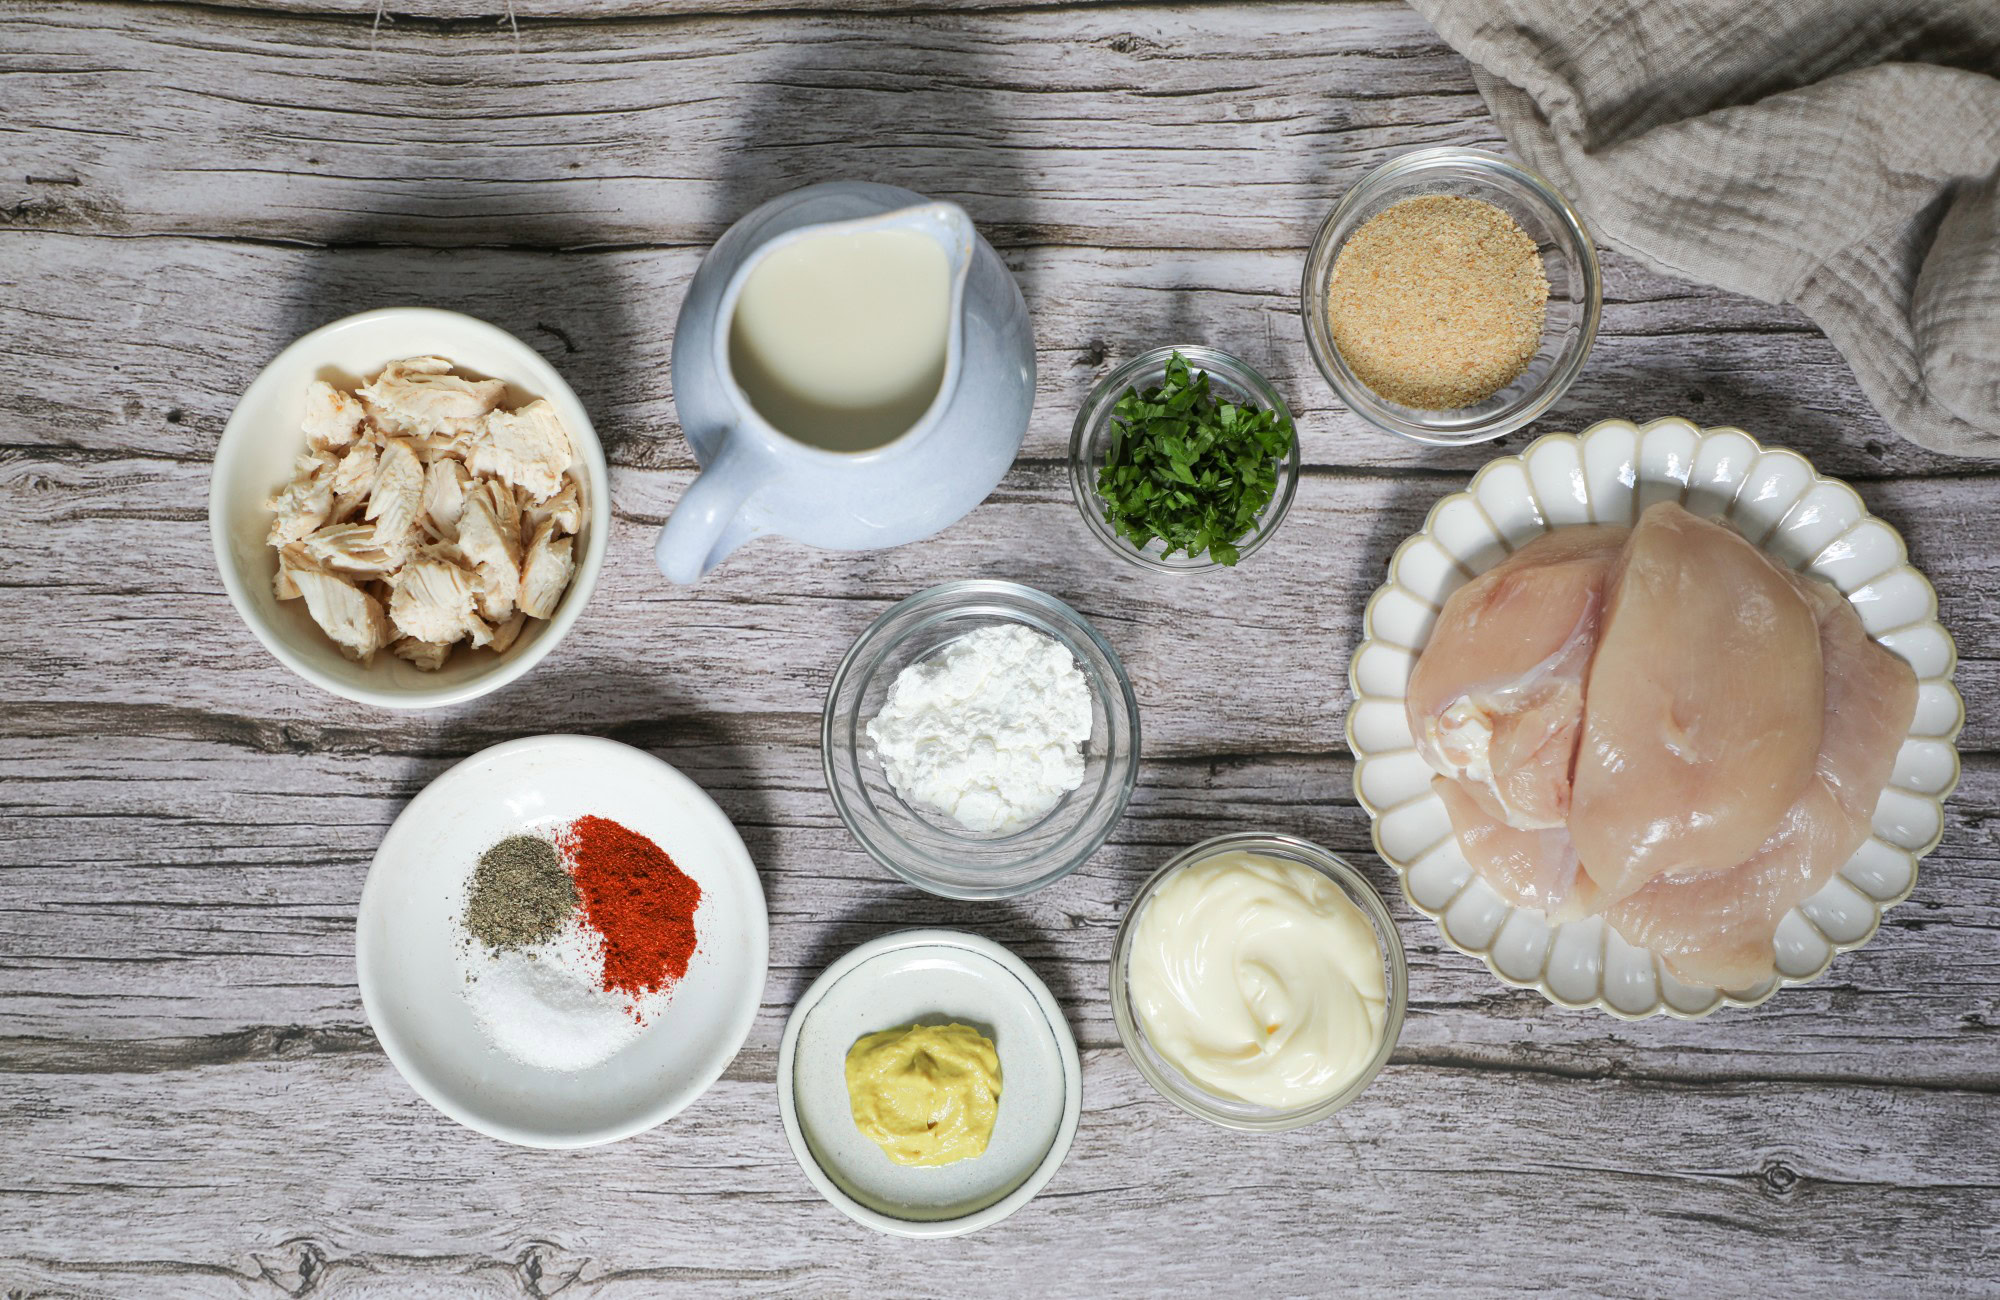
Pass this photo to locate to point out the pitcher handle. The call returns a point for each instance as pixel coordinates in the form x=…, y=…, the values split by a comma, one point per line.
x=707, y=522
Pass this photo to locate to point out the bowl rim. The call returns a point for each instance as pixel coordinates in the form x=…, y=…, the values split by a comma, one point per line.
x=1291, y=848
x=1095, y=413
x=986, y=1215
x=1364, y=756
x=238, y=431
x=1352, y=392
x=948, y=596
x=749, y=999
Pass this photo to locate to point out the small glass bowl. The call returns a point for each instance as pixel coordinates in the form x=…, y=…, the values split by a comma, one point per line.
x=928, y=849
x=1233, y=1112
x=1090, y=442
x=1575, y=290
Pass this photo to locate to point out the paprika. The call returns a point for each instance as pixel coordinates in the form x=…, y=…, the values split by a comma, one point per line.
x=633, y=895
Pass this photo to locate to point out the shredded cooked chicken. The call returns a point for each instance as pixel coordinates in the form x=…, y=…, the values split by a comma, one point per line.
x=483, y=539
x=444, y=494
x=564, y=507
x=546, y=572
x=506, y=511
x=527, y=448
x=422, y=396
x=422, y=515
x=333, y=418
x=434, y=601
x=357, y=550
x=302, y=505
x=349, y=615
x=427, y=655
x=505, y=632
x=397, y=493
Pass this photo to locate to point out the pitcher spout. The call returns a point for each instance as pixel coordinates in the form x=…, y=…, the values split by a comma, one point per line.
x=945, y=222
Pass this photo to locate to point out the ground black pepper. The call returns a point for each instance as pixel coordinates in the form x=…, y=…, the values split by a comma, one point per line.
x=521, y=894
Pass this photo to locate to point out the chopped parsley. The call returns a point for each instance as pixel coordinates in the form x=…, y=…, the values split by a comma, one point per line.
x=1190, y=469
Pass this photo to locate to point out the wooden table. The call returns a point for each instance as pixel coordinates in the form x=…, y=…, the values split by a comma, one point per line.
x=191, y=1102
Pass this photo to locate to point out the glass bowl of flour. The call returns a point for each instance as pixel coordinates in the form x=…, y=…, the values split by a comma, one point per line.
x=981, y=740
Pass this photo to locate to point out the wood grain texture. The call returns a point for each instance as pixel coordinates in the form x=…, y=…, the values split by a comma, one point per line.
x=428, y=16
x=1195, y=128
x=1429, y=1190
x=190, y=1099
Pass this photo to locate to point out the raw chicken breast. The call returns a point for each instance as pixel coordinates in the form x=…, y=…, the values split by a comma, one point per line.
x=1720, y=928
x=1496, y=699
x=526, y=448
x=1704, y=706
x=1530, y=868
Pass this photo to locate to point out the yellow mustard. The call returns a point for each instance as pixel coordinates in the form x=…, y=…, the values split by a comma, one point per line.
x=928, y=1094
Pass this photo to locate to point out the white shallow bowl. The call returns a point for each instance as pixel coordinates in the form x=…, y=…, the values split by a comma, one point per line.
x=930, y=977
x=1608, y=474
x=405, y=935
x=263, y=439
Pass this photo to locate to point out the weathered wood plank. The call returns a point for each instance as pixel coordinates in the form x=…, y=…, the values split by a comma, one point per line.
x=127, y=345
x=1205, y=127
x=1437, y=1182
x=790, y=612
x=408, y=17
x=225, y=855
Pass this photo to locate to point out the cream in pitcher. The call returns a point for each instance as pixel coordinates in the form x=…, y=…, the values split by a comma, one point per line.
x=839, y=339
x=853, y=367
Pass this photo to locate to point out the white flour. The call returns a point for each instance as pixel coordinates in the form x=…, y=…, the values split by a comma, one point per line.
x=546, y=1006
x=989, y=730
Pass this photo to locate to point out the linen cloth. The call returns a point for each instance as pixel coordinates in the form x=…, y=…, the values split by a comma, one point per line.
x=1839, y=155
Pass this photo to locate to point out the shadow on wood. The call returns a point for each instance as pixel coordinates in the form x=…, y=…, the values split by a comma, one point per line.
x=905, y=104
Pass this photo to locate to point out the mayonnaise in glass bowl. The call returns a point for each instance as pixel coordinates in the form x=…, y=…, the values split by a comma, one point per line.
x=1210, y=1100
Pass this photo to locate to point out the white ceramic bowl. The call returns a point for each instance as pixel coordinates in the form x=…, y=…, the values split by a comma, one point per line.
x=410, y=980
x=1609, y=474
x=930, y=977
x=262, y=440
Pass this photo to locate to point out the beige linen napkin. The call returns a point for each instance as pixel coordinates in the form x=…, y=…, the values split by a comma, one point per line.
x=1841, y=155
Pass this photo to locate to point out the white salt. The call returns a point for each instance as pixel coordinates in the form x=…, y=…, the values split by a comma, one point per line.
x=546, y=1005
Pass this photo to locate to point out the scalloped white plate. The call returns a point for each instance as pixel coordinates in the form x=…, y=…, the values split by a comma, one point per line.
x=1608, y=474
